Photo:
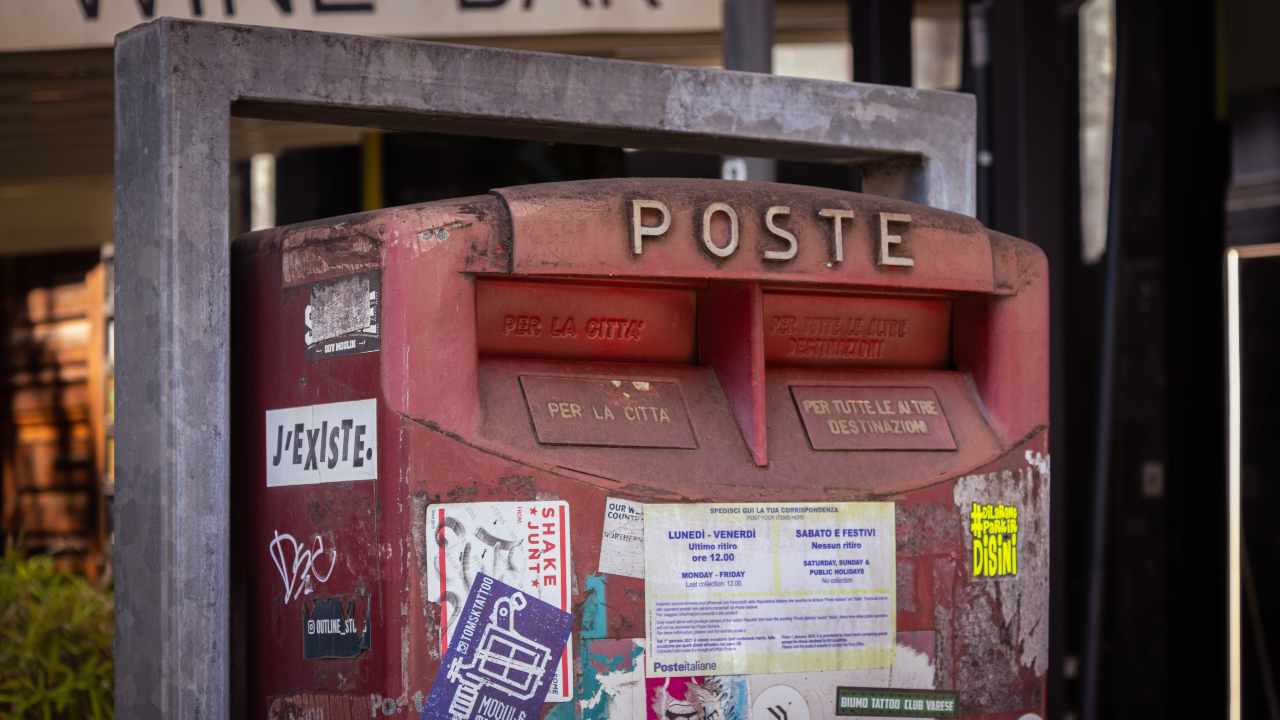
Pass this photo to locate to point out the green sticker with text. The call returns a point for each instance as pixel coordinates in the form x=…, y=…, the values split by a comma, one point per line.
x=886, y=702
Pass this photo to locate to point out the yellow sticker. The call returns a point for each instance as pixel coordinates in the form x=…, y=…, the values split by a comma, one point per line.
x=995, y=540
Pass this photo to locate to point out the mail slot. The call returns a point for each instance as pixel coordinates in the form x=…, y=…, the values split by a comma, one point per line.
x=641, y=449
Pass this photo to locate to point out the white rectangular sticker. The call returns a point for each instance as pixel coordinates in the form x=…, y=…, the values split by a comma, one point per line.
x=523, y=544
x=334, y=442
x=817, y=694
x=765, y=588
x=622, y=542
x=615, y=669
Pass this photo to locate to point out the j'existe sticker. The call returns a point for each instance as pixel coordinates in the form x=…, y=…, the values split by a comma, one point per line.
x=333, y=442
x=523, y=544
x=342, y=316
x=502, y=658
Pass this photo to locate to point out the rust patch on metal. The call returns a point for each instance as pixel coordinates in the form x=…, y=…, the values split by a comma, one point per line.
x=329, y=706
x=484, y=255
x=430, y=613
x=498, y=247
x=987, y=676
x=476, y=210
x=927, y=529
x=906, y=580
x=318, y=510
x=462, y=493
x=435, y=427
x=319, y=253
x=944, y=583
x=519, y=487
x=1015, y=263
x=649, y=492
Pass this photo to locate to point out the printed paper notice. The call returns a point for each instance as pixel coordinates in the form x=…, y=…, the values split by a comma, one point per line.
x=622, y=542
x=735, y=589
x=523, y=544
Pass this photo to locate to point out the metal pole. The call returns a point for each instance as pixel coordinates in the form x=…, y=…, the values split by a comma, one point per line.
x=172, y=505
x=978, y=41
x=880, y=31
x=748, y=46
x=1106, y=381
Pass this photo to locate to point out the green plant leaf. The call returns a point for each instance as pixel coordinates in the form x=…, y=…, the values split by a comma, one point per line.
x=55, y=642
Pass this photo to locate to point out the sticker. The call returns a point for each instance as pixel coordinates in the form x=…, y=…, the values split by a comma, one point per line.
x=1017, y=604
x=502, y=659
x=762, y=588
x=914, y=667
x=523, y=544
x=335, y=627
x=595, y=609
x=612, y=686
x=780, y=702
x=334, y=442
x=342, y=316
x=994, y=529
x=886, y=702
x=697, y=698
x=622, y=543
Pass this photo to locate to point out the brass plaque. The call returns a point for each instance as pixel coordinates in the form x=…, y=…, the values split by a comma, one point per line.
x=873, y=418
x=616, y=412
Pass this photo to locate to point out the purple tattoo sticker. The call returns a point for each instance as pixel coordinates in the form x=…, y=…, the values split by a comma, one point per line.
x=502, y=656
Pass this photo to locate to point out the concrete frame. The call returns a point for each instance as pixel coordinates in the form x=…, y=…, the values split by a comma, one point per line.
x=177, y=85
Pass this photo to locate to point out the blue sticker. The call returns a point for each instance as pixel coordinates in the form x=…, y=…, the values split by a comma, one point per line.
x=501, y=658
x=595, y=623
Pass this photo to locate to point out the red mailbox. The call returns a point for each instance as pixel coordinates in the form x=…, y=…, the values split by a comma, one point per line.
x=780, y=451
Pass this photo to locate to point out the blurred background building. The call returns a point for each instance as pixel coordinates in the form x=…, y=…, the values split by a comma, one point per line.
x=1133, y=140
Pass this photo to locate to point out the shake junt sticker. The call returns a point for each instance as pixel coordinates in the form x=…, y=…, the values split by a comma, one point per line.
x=334, y=442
